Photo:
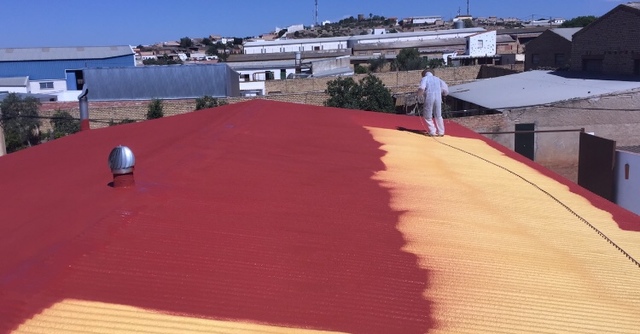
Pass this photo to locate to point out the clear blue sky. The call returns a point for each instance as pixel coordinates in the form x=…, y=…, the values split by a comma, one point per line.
x=39, y=23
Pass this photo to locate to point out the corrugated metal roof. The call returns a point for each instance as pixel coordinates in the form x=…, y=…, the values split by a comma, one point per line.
x=251, y=218
x=64, y=53
x=14, y=81
x=536, y=88
x=161, y=82
x=566, y=33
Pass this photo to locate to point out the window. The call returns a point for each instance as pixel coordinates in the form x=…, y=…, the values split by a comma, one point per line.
x=46, y=85
x=559, y=59
x=535, y=59
x=480, y=43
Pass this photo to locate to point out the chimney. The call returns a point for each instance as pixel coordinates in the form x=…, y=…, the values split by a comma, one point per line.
x=121, y=163
x=84, y=110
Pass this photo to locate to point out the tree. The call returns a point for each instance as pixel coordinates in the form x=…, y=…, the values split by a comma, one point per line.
x=577, y=22
x=375, y=96
x=409, y=59
x=343, y=93
x=207, y=102
x=377, y=64
x=206, y=41
x=64, y=124
x=19, y=119
x=186, y=42
x=367, y=94
x=155, y=109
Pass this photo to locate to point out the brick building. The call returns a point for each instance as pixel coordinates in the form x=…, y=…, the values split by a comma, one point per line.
x=610, y=45
x=551, y=50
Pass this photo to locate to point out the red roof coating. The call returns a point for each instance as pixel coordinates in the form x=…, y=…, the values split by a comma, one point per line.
x=261, y=211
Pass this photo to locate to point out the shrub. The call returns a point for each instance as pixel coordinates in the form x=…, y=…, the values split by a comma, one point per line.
x=207, y=101
x=155, y=109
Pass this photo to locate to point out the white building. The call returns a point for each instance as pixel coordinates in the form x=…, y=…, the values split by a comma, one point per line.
x=345, y=42
x=627, y=179
x=15, y=85
x=482, y=44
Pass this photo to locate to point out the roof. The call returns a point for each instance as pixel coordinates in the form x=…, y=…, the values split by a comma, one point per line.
x=632, y=149
x=630, y=7
x=537, y=88
x=40, y=97
x=161, y=82
x=566, y=33
x=271, y=217
x=14, y=81
x=64, y=53
x=634, y=5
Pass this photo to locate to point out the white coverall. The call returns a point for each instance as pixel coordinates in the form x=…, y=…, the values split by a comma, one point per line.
x=434, y=88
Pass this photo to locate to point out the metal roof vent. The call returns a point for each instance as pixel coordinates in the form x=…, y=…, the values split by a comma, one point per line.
x=122, y=162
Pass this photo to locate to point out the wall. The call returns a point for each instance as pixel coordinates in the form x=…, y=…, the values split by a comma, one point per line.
x=482, y=45
x=628, y=189
x=614, y=117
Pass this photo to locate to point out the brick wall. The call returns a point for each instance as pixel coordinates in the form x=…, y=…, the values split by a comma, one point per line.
x=546, y=47
x=614, y=39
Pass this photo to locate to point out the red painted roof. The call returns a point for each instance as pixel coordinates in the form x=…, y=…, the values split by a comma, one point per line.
x=260, y=211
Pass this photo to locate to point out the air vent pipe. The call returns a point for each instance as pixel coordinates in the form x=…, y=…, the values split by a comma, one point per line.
x=122, y=162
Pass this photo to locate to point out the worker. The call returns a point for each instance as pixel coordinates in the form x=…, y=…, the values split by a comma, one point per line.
x=433, y=88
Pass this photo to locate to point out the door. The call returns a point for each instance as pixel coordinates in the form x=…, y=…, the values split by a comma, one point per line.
x=596, y=165
x=524, y=142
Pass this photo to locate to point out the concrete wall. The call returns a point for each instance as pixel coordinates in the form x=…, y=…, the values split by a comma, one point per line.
x=627, y=182
x=614, y=117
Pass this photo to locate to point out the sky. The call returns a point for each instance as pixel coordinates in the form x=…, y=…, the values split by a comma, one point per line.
x=49, y=23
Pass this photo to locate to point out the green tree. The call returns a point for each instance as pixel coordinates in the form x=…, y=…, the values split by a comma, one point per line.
x=155, y=109
x=375, y=95
x=186, y=42
x=577, y=22
x=409, y=59
x=206, y=41
x=19, y=119
x=64, y=124
x=367, y=94
x=207, y=102
x=343, y=93
x=377, y=64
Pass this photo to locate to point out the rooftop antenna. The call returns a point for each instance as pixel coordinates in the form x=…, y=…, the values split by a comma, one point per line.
x=316, y=16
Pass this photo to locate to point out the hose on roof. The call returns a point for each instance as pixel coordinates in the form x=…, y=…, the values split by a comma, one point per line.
x=582, y=219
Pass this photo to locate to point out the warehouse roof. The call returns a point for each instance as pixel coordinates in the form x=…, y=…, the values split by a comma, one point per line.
x=64, y=53
x=271, y=217
x=537, y=88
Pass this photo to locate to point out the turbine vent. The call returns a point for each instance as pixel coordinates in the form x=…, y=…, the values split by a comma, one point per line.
x=122, y=162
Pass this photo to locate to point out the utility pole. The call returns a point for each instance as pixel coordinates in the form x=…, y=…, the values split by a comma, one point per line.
x=316, y=16
x=468, y=9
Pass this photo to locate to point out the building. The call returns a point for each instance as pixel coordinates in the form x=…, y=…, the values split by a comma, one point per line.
x=551, y=50
x=565, y=102
x=349, y=42
x=610, y=45
x=57, y=70
x=480, y=49
x=280, y=217
x=161, y=82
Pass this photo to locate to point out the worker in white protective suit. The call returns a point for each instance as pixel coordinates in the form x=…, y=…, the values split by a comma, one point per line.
x=433, y=88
